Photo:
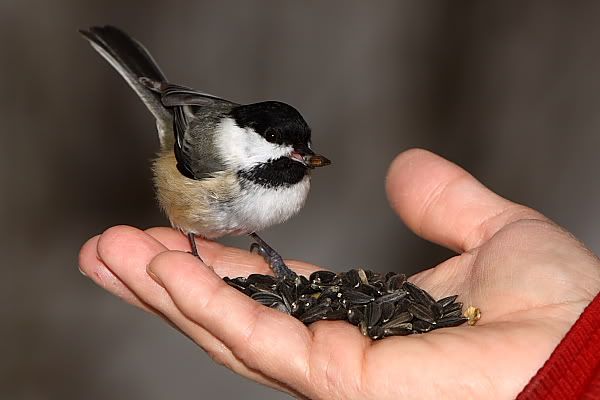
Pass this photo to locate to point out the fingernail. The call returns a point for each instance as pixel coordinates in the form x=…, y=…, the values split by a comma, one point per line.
x=82, y=272
x=154, y=277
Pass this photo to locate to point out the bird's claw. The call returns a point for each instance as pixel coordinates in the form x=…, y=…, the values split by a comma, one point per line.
x=275, y=261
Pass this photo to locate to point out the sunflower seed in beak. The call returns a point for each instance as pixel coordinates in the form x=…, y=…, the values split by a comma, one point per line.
x=316, y=160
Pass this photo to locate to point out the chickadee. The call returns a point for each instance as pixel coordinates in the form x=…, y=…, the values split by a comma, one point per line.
x=223, y=168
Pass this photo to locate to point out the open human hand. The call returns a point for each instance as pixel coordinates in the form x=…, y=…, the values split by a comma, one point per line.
x=530, y=278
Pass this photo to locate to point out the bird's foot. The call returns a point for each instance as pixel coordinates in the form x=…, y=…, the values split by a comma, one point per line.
x=275, y=261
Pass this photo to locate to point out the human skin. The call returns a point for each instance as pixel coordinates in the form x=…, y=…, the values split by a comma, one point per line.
x=530, y=278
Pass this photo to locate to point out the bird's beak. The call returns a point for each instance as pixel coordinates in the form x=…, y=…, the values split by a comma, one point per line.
x=308, y=157
x=316, y=160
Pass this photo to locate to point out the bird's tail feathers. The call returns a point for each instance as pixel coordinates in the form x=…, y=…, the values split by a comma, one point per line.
x=132, y=61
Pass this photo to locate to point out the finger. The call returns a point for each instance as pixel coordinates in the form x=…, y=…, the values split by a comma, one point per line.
x=443, y=203
x=94, y=268
x=127, y=251
x=263, y=339
x=175, y=240
x=226, y=261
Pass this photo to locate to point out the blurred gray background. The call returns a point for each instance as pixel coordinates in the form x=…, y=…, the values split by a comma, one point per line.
x=510, y=90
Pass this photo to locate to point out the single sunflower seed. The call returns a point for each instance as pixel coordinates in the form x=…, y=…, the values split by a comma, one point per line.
x=420, y=326
x=400, y=330
x=399, y=319
x=446, y=301
x=314, y=314
x=448, y=322
x=355, y=297
x=373, y=314
x=418, y=294
x=421, y=312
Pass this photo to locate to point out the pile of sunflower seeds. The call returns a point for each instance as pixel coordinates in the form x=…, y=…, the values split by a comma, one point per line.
x=380, y=305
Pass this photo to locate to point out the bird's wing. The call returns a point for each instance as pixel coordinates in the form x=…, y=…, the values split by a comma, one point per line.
x=172, y=95
x=182, y=146
x=195, y=117
x=175, y=95
x=195, y=149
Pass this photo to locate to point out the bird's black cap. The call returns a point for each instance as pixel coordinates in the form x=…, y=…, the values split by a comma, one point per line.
x=277, y=122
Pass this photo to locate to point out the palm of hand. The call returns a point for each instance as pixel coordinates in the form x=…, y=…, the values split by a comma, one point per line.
x=530, y=279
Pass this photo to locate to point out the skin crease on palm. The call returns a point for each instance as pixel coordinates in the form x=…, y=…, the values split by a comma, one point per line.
x=531, y=279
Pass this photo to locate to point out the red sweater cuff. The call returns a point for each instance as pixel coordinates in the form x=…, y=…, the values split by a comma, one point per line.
x=573, y=369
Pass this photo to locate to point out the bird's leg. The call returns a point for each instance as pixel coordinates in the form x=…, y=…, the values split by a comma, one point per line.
x=192, y=239
x=272, y=258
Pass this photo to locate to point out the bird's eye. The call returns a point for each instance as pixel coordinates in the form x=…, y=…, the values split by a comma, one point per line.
x=270, y=135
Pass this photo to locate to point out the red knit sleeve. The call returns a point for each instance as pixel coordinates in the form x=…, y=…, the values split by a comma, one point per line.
x=573, y=369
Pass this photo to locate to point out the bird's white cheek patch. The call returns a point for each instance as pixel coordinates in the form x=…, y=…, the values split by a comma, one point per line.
x=244, y=148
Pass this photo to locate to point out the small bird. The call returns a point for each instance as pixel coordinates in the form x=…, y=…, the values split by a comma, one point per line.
x=223, y=168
